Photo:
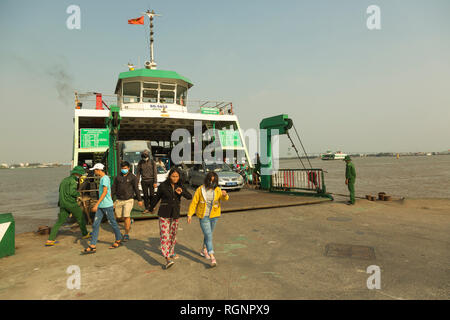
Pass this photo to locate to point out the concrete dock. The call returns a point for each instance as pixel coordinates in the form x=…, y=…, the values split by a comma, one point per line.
x=319, y=251
x=245, y=200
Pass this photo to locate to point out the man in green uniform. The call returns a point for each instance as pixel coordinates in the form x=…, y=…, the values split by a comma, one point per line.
x=68, y=195
x=350, y=178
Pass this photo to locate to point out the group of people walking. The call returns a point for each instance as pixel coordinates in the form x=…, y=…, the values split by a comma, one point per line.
x=206, y=204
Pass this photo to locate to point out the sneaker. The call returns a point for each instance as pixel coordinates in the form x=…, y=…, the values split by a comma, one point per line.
x=125, y=237
x=204, y=253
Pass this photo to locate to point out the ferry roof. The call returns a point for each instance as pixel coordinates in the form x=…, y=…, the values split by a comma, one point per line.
x=149, y=73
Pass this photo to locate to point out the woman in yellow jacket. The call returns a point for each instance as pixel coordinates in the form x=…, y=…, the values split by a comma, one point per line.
x=206, y=205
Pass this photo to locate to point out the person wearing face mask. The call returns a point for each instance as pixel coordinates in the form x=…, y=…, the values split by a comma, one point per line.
x=103, y=206
x=148, y=175
x=206, y=205
x=124, y=189
x=68, y=204
x=170, y=193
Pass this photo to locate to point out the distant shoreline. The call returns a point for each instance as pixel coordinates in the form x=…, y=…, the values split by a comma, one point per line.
x=378, y=155
x=34, y=167
x=314, y=156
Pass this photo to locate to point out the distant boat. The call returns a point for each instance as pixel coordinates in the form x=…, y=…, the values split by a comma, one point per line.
x=338, y=155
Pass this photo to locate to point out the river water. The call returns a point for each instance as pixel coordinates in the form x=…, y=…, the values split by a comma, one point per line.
x=32, y=194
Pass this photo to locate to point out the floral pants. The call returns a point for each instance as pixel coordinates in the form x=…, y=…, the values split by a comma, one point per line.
x=167, y=233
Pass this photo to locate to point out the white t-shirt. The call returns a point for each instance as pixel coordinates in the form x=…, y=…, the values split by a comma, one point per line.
x=209, y=193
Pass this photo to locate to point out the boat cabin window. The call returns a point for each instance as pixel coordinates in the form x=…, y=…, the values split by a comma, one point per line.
x=150, y=92
x=154, y=92
x=166, y=96
x=165, y=86
x=167, y=93
x=150, y=96
x=131, y=92
x=181, y=95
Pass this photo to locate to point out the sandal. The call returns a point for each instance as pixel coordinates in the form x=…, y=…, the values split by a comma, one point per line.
x=51, y=243
x=116, y=244
x=174, y=256
x=90, y=249
x=169, y=263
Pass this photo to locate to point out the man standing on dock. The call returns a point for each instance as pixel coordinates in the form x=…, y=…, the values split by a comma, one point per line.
x=147, y=171
x=124, y=188
x=67, y=203
x=350, y=178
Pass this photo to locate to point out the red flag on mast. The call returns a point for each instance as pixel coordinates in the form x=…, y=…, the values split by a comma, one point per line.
x=139, y=20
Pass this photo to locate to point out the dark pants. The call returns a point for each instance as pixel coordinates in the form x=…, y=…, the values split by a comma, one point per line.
x=149, y=192
x=351, y=188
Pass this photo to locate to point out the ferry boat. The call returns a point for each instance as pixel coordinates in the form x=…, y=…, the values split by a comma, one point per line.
x=338, y=155
x=152, y=104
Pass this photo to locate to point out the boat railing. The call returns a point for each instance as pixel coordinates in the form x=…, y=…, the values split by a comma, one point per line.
x=210, y=107
x=92, y=101
x=299, y=179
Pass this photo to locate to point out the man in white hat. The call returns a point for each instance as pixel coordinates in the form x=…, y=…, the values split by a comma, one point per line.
x=103, y=206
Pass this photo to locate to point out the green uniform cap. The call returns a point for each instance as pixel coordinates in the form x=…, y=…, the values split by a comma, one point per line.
x=78, y=170
x=347, y=158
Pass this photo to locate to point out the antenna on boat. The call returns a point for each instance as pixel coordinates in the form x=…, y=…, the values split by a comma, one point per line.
x=151, y=64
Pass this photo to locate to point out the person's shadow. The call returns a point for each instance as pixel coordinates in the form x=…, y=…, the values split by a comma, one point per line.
x=142, y=248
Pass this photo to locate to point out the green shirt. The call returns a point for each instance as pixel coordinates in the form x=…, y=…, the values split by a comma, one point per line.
x=68, y=192
x=350, y=172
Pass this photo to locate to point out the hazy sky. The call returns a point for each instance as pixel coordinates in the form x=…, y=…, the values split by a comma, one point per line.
x=346, y=87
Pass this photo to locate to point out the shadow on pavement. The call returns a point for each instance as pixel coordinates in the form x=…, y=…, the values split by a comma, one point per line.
x=142, y=248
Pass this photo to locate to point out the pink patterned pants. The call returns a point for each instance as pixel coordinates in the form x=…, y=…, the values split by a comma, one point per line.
x=167, y=233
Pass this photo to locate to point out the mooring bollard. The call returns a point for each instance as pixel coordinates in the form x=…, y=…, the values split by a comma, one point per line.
x=7, y=235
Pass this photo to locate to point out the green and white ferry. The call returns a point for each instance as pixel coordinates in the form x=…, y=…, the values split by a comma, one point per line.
x=151, y=104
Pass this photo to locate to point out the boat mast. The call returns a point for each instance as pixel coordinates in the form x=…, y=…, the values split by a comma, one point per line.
x=151, y=64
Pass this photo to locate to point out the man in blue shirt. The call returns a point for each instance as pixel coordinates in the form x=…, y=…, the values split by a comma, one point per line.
x=103, y=206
